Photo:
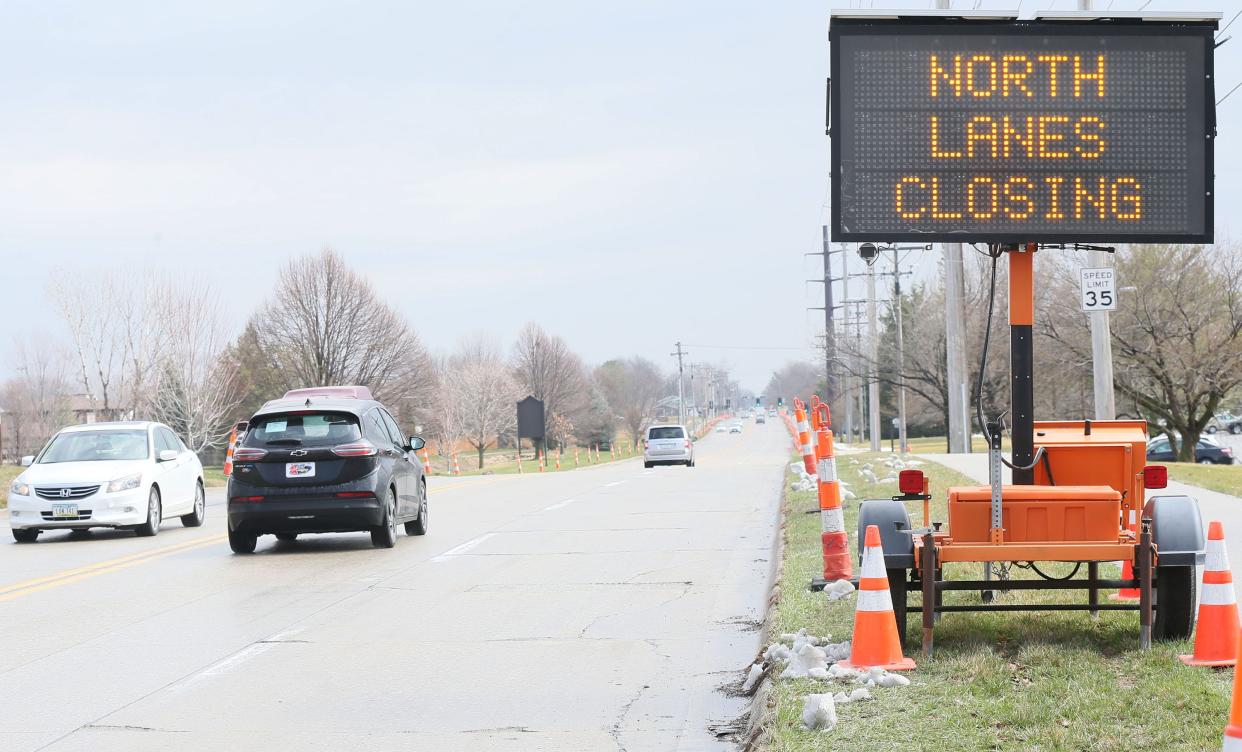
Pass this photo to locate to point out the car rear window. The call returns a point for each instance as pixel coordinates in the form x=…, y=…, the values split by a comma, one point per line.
x=667, y=432
x=303, y=429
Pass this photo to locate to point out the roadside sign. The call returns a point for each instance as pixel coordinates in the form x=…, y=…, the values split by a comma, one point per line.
x=1098, y=287
x=1048, y=130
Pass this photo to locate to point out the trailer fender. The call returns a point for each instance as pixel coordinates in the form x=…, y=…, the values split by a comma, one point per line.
x=890, y=516
x=1176, y=528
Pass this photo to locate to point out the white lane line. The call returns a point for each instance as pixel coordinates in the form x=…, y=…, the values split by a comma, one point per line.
x=614, y=483
x=224, y=666
x=559, y=505
x=463, y=548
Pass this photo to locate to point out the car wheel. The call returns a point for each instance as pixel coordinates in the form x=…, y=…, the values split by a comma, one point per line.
x=196, y=517
x=154, y=515
x=385, y=536
x=419, y=526
x=26, y=535
x=286, y=537
x=647, y=465
x=1235, y=429
x=1210, y=430
x=1205, y=461
x=242, y=543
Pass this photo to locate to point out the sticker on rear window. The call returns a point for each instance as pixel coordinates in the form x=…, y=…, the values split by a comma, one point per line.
x=276, y=426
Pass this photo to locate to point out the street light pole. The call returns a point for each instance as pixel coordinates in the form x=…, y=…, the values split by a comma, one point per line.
x=901, y=353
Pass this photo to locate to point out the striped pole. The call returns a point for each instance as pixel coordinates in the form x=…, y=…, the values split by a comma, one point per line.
x=834, y=542
x=575, y=455
x=559, y=452
x=456, y=465
x=804, y=438
x=228, y=455
x=539, y=459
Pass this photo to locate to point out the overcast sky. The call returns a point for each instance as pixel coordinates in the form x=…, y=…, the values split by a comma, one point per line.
x=626, y=174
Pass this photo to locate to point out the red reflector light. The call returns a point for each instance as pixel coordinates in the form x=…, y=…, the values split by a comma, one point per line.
x=355, y=494
x=910, y=481
x=1155, y=476
x=356, y=449
x=246, y=498
x=248, y=454
x=687, y=443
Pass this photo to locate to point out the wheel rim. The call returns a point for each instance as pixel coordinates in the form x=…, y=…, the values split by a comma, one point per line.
x=153, y=510
x=422, y=509
x=392, y=516
x=200, y=502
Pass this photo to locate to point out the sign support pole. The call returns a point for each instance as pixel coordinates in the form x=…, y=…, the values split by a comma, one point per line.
x=1022, y=357
x=1102, y=352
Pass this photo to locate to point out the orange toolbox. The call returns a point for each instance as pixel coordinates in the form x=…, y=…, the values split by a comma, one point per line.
x=1036, y=514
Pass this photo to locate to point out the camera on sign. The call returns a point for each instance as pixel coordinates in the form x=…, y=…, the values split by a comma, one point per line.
x=868, y=252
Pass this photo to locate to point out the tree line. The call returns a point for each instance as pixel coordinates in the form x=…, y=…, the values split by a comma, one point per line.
x=158, y=348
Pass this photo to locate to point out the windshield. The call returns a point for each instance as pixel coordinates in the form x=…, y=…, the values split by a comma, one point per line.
x=96, y=446
x=667, y=432
x=303, y=429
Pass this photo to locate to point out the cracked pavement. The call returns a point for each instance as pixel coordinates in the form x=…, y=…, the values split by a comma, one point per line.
x=520, y=622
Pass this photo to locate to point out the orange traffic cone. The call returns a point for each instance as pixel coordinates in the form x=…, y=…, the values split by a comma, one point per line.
x=575, y=455
x=1127, y=569
x=559, y=452
x=876, y=644
x=426, y=463
x=539, y=459
x=456, y=465
x=1233, y=729
x=1217, y=628
x=228, y=455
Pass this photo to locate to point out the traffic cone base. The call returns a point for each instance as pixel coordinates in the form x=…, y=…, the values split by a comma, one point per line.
x=1233, y=728
x=1216, y=630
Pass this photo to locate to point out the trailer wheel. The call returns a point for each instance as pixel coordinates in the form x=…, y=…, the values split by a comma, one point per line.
x=1175, y=602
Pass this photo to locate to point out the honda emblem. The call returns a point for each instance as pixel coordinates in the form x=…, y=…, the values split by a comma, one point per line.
x=65, y=493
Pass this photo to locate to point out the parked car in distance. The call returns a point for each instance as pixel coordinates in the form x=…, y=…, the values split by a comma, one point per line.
x=131, y=475
x=668, y=444
x=325, y=460
x=735, y=428
x=1224, y=421
x=721, y=427
x=1207, y=452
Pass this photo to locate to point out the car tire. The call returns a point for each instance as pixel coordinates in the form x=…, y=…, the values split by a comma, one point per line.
x=155, y=515
x=26, y=535
x=1235, y=429
x=1210, y=430
x=242, y=543
x=418, y=525
x=385, y=536
x=647, y=465
x=286, y=537
x=199, y=513
x=1206, y=461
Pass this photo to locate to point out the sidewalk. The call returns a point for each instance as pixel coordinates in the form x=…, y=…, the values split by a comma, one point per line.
x=1213, y=505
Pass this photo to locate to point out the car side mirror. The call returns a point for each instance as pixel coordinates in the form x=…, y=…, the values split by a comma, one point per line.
x=168, y=455
x=416, y=443
x=28, y=460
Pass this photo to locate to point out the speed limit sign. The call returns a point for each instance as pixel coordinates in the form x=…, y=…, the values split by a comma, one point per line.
x=1099, y=288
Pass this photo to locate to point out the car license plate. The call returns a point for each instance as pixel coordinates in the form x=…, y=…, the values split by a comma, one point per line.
x=299, y=469
x=64, y=510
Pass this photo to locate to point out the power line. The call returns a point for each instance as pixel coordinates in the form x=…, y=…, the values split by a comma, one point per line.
x=747, y=347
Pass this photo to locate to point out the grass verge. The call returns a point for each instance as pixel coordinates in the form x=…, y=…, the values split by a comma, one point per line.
x=1035, y=681
x=1224, y=478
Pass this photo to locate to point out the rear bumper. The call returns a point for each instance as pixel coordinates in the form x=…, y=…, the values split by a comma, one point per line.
x=310, y=515
x=669, y=458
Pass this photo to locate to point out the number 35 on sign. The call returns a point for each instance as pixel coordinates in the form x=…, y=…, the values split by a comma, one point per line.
x=1099, y=289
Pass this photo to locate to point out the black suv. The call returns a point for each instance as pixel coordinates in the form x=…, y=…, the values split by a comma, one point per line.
x=325, y=460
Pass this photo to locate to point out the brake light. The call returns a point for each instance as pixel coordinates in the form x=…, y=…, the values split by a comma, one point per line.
x=248, y=454
x=910, y=482
x=356, y=449
x=246, y=498
x=1155, y=476
x=355, y=495
x=687, y=443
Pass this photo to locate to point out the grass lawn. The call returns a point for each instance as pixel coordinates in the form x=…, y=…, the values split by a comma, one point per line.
x=1013, y=681
x=938, y=444
x=503, y=461
x=213, y=476
x=1223, y=478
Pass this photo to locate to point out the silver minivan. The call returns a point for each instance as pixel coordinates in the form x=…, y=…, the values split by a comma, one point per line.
x=668, y=444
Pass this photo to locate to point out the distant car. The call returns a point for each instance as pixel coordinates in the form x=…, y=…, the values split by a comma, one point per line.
x=1224, y=422
x=735, y=428
x=1207, y=452
x=668, y=444
x=325, y=460
x=760, y=419
x=721, y=428
x=130, y=475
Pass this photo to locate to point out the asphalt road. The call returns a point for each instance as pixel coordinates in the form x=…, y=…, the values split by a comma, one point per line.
x=591, y=610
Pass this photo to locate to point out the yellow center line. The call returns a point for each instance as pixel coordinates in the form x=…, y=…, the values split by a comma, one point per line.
x=99, y=567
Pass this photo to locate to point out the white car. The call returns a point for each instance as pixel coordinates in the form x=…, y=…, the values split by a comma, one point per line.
x=735, y=428
x=121, y=475
x=668, y=444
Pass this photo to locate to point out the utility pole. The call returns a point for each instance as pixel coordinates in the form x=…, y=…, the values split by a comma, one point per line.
x=681, y=402
x=873, y=384
x=901, y=353
x=831, y=391
x=847, y=391
x=1102, y=350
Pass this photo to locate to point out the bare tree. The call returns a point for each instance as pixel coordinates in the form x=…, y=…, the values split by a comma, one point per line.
x=34, y=402
x=483, y=394
x=546, y=368
x=96, y=309
x=324, y=324
x=632, y=386
x=192, y=388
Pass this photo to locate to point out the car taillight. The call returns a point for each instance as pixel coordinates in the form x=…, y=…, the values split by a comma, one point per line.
x=355, y=494
x=356, y=449
x=687, y=443
x=248, y=454
x=246, y=498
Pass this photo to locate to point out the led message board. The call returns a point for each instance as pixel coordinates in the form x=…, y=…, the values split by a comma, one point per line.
x=1021, y=131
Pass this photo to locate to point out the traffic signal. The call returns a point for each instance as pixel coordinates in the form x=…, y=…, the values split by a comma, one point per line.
x=780, y=401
